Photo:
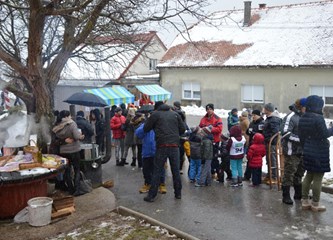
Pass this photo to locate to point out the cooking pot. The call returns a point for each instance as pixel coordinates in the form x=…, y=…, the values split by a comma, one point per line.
x=90, y=151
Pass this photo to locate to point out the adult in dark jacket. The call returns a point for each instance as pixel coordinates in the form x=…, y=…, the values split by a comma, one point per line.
x=168, y=127
x=313, y=135
x=256, y=126
x=99, y=128
x=86, y=128
x=271, y=126
x=292, y=151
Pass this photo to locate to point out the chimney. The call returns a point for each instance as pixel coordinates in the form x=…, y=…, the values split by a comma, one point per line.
x=262, y=5
x=247, y=13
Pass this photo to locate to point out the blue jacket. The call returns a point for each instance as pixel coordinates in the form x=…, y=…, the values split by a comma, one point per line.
x=313, y=135
x=232, y=120
x=148, y=141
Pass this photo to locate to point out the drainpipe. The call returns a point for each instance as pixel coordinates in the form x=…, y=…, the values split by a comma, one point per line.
x=247, y=13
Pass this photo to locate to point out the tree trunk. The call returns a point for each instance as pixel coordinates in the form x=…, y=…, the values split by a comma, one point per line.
x=44, y=112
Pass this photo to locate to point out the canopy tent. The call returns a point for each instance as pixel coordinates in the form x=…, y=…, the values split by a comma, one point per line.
x=113, y=95
x=155, y=92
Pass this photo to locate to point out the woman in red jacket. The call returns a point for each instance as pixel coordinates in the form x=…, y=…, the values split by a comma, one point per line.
x=254, y=155
x=118, y=134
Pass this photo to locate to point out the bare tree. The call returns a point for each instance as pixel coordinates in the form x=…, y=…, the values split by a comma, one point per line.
x=38, y=37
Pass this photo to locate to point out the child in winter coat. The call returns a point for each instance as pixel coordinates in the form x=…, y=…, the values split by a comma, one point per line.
x=254, y=155
x=206, y=152
x=235, y=147
x=225, y=160
x=195, y=156
x=148, y=155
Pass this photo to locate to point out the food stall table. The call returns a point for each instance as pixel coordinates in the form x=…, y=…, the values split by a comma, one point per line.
x=17, y=187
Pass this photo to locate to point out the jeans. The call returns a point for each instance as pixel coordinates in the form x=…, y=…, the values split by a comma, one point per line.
x=162, y=154
x=315, y=178
x=206, y=175
x=139, y=153
x=236, y=168
x=119, y=147
x=195, y=169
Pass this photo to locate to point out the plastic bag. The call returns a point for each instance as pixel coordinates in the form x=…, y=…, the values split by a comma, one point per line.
x=85, y=184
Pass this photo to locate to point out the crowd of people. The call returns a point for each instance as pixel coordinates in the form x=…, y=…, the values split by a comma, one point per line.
x=160, y=132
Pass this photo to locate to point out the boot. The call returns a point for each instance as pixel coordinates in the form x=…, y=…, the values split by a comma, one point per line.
x=317, y=208
x=306, y=204
x=123, y=161
x=286, y=195
x=240, y=181
x=133, y=164
x=298, y=192
x=234, y=183
x=119, y=163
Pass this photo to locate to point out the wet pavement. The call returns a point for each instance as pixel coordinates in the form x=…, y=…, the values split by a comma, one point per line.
x=221, y=212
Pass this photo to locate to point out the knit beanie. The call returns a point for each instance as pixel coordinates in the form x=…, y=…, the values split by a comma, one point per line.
x=210, y=106
x=256, y=112
x=157, y=105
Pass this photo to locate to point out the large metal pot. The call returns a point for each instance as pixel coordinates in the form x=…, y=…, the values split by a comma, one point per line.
x=90, y=151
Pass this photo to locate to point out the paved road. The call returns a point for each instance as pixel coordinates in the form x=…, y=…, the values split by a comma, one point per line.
x=221, y=212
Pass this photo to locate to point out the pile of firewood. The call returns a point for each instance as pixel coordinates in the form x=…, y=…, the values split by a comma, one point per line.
x=62, y=207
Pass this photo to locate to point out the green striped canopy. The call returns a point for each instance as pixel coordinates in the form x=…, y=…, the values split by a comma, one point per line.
x=155, y=92
x=113, y=95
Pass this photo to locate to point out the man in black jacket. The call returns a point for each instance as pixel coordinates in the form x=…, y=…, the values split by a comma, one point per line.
x=271, y=127
x=86, y=128
x=168, y=127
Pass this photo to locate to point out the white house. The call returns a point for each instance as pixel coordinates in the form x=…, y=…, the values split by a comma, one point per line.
x=245, y=58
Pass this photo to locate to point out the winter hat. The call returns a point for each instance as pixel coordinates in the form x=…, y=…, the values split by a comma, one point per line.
x=176, y=104
x=210, y=106
x=314, y=104
x=245, y=114
x=303, y=102
x=157, y=105
x=269, y=107
x=234, y=110
x=235, y=131
x=256, y=112
x=118, y=109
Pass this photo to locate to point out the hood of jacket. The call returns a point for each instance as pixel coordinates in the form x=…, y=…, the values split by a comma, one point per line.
x=314, y=104
x=258, y=138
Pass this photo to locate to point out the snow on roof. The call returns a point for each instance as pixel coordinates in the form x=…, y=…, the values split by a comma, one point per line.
x=117, y=57
x=291, y=35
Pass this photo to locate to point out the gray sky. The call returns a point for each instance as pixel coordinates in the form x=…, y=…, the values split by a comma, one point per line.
x=167, y=35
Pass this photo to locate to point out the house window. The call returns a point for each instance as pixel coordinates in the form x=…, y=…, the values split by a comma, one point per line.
x=326, y=92
x=253, y=93
x=152, y=64
x=191, y=91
